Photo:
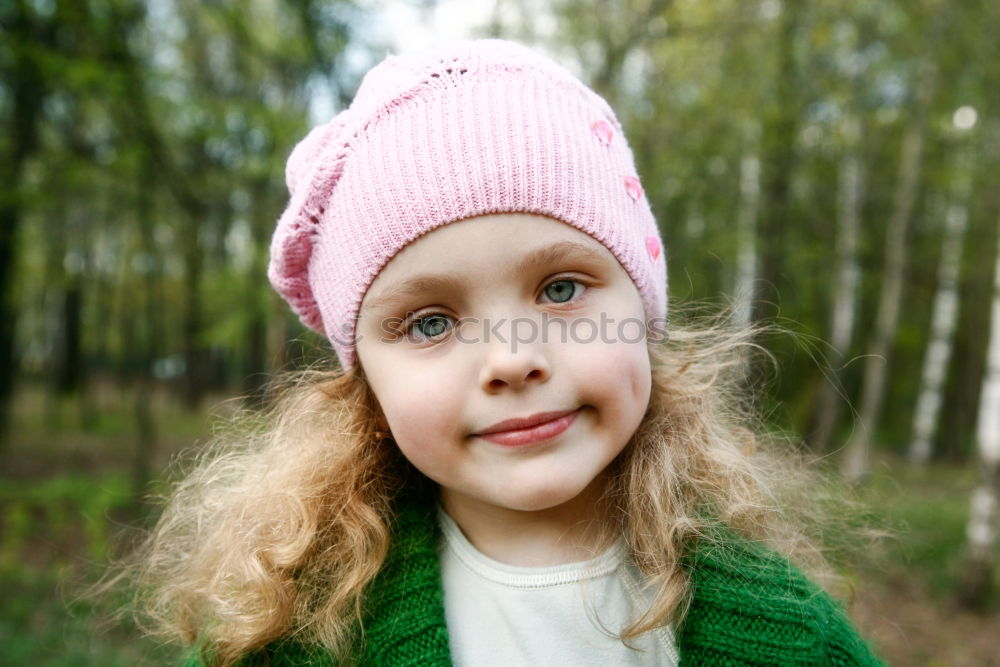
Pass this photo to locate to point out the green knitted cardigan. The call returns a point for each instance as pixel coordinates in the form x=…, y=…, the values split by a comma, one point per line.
x=749, y=607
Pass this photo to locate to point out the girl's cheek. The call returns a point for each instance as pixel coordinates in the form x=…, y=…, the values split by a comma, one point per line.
x=424, y=415
x=620, y=371
x=623, y=357
x=633, y=363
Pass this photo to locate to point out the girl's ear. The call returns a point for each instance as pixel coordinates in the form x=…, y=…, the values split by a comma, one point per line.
x=382, y=431
x=380, y=421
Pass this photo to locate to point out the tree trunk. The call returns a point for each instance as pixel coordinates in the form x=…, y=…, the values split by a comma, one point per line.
x=978, y=578
x=781, y=127
x=828, y=406
x=69, y=377
x=943, y=319
x=857, y=455
x=255, y=351
x=55, y=280
x=747, y=229
x=191, y=323
x=147, y=338
x=142, y=461
x=25, y=91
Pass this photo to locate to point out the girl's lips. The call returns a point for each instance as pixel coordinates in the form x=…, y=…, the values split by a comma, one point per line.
x=513, y=433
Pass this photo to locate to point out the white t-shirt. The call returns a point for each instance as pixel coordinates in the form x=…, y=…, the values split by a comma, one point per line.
x=567, y=614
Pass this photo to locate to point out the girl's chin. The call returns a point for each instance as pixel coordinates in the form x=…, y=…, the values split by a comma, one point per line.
x=539, y=499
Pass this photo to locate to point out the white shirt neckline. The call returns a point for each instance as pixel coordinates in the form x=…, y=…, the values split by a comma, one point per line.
x=517, y=576
x=558, y=615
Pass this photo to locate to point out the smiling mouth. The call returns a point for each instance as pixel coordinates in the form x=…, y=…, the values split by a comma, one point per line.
x=529, y=430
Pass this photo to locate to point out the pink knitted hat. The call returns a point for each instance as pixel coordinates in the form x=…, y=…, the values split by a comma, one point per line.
x=471, y=129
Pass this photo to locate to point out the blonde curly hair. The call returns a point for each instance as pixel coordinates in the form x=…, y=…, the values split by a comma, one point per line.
x=284, y=521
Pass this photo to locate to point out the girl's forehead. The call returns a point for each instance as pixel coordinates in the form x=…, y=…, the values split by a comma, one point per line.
x=508, y=244
x=498, y=237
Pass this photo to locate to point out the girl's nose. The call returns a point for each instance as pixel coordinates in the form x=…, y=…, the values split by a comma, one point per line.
x=510, y=364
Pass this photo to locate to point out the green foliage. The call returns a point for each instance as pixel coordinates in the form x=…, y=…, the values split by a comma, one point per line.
x=55, y=537
x=928, y=509
x=159, y=173
x=74, y=511
x=39, y=626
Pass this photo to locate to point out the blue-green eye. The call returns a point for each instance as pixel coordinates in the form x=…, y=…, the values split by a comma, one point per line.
x=431, y=326
x=561, y=291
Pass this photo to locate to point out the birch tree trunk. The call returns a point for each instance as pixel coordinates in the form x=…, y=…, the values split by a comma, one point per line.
x=747, y=231
x=976, y=586
x=778, y=155
x=857, y=456
x=943, y=319
x=846, y=295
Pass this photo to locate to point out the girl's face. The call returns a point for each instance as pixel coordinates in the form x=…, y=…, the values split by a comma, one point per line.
x=498, y=318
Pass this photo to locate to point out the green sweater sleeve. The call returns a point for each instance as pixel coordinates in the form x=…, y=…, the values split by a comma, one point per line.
x=752, y=607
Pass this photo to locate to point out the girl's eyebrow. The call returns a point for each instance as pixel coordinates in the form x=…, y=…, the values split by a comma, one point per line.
x=435, y=282
x=557, y=252
x=415, y=286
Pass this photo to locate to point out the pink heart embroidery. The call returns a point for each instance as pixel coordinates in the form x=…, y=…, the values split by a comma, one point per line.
x=603, y=131
x=633, y=187
x=653, y=246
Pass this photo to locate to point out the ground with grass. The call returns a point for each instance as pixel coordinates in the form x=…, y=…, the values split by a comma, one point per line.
x=66, y=489
x=905, y=591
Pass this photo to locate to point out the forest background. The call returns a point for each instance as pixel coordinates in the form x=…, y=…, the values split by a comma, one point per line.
x=830, y=167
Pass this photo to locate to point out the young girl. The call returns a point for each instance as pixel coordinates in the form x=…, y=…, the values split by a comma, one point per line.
x=512, y=466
